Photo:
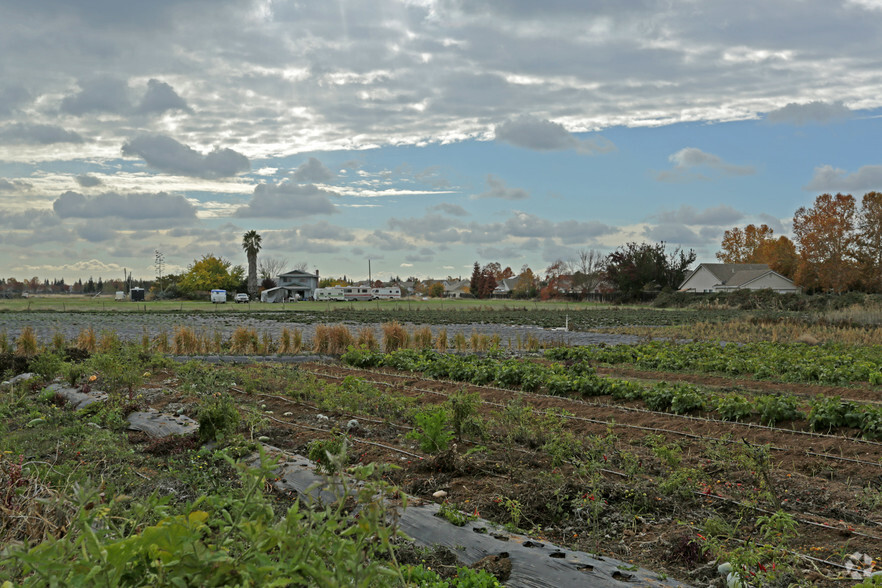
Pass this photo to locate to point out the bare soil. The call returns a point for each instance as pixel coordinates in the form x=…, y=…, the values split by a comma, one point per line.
x=831, y=484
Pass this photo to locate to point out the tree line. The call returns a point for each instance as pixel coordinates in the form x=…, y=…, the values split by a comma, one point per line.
x=837, y=245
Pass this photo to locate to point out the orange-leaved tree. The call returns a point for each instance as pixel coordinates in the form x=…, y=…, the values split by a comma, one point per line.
x=870, y=241
x=827, y=239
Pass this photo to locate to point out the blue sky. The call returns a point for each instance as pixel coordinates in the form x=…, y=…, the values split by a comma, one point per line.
x=421, y=134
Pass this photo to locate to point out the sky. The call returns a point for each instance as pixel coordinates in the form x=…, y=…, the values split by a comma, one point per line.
x=422, y=135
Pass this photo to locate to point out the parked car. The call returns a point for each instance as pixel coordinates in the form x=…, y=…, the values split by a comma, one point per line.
x=242, y=297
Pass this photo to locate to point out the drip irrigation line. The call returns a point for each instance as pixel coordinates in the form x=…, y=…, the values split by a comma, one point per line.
x=314, y=407
x=620, y=424
x=355, y=439
x=802, y=521
x=634, y=409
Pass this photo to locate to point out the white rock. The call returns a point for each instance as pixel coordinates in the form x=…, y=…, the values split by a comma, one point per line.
x=439, y=494
x=352, y=424
x=289, y=413
x=321, y=417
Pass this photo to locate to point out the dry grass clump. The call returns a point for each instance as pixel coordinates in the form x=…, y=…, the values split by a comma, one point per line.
x=331, y=339
x=422, y=338
x=186, y=342
x=531, y=343
x=267, y=345
x=394, y=336
x=108, y=341
x=30, y=511
x=160, y=342
x=460, y=343
x=4, y=342
x=441, y=341
x=367, y=339
x=86, y=340
x=290, y=342
x=244, y=341
x=58, y=341
x=26, y=344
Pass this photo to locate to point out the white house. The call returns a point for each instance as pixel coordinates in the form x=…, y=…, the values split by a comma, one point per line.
x=295, y=285
x=725, y=277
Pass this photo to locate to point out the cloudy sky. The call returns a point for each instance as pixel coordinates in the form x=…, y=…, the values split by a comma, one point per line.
x=421, y=134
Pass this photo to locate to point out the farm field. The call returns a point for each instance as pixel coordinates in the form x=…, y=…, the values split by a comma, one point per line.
x=668, y=456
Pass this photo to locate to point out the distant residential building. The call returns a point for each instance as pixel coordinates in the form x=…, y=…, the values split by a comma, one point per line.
x=293, y=285
x=457, y=288
x=726, y=277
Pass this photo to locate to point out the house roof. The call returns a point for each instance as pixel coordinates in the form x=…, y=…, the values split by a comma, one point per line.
x=734, y=275
x=295, y=273
x=724, y=272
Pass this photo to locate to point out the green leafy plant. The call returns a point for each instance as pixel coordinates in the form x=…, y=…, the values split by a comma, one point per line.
x=217, y=416
x=328, y=453
x=450, y=513
x=432, y=430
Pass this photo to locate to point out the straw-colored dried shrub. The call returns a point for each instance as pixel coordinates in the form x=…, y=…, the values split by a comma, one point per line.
x=367, y=339
x=441, y=341
x=86, y=340
x=244, y=341
x=26, y=344
x=394, y=336
x=422, y=338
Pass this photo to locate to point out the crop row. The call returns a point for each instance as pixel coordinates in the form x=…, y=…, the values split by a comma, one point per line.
x=579, y=380
x=789, y=362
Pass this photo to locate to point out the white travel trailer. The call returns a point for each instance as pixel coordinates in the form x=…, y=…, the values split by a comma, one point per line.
x=343, y=293
x=219, y=296
x=332, y=293
x=386, y=293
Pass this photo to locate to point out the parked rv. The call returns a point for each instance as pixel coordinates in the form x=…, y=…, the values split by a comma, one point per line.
x=386, y=293
x=343, y=293
x=218, y=296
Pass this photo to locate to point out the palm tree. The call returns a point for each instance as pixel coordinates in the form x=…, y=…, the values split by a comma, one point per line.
x=251, y=245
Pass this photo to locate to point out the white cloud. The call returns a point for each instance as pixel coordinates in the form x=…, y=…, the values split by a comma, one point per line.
x=690, y=162
x=167, y=155
x=39, y=134
x=313, y=171
x=830, y=179
x=810, y=112
x=166, y=207
x=287, y=200
x=498, y=189
x=543, y=135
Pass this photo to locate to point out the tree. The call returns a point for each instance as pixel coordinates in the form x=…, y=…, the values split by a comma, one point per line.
x=436, y=290
x=270, y=267
x=757, y=245
x=826, y=237
x=869, y=241
x=488, y=280
x=528, y=285
x=637, y=267
x=588, y=270
x=211, y=272
x=475, y=282
x=554, y=275
x=251, y=245
x=779, y=254
x=741, y=246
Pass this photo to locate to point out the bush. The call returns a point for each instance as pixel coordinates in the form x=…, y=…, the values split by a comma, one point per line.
x=218, y=417
x=432, y=430
x=775, y=409
x=734, y=407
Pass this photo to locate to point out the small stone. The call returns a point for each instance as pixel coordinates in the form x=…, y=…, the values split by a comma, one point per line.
x=352, y=424
x=439, y=494
x=321, y=417
x=263, y=439
x=287, y=414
